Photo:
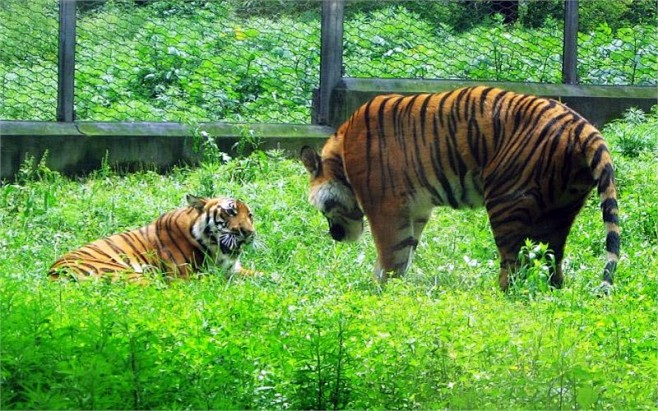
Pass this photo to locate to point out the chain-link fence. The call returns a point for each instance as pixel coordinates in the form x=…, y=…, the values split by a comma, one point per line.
x=28, y=59
x=501, y=41
x=164, y=60
x=450, y=40
x=201, y=60
x=259, y=60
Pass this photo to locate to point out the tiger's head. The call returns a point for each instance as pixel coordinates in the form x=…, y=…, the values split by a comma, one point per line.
x=333, y=196
x=223, y=225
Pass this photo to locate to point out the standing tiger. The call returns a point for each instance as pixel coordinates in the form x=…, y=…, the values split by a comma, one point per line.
x=176, y=244
x=530, y=161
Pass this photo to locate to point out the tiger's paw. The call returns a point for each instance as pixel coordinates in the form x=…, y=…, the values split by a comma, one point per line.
x=244, y=272
x=605, y=289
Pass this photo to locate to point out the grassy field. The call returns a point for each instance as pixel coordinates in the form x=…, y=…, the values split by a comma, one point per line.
x=314, y=331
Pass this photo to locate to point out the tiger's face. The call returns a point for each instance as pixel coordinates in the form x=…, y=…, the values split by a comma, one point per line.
x=332, y=195
x=223, y=225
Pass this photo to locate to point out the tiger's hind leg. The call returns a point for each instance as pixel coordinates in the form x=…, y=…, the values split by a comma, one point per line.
x=553, y=228
x=509, y=244
x=511, y=219
x=525, y=220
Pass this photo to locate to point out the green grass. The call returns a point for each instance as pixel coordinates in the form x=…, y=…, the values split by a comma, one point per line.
x=315, y=331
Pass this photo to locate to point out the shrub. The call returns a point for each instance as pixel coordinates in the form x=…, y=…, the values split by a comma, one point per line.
x=636, y=133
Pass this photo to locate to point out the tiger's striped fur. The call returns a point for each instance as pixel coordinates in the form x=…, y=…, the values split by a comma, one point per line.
x=530, y=161
x=176, y=244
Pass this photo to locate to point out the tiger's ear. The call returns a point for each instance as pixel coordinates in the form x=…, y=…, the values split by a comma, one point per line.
x=311, y=161
x=196, y=202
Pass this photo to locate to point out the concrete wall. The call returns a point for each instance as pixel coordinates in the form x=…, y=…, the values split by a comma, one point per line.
x=77, y=148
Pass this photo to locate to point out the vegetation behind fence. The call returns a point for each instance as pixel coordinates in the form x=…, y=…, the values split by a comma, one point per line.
x=258, y=61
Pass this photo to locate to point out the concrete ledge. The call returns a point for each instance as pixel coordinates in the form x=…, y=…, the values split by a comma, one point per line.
x=598, y=104
x=80, y=147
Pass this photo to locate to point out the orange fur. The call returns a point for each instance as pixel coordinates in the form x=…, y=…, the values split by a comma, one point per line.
x=530, y=161
x=176, y=245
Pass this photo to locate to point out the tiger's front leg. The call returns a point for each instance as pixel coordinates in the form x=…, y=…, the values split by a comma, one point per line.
x=395, y=241
x=244, y=272
x=239, y=270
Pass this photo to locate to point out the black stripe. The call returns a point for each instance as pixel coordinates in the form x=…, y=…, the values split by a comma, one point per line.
x=381, y=142
x=594, y=135
x=423, y=118
x=172, y=229
x=609, y=270
x=474, y=138
x=397, y=121
x=163, y=253
x=568, y=154
x=483, y=98
x=509, y=169
x=520, y=215
x=366, y=119
x=606, y=178
x=420, y=170
x=190, y=230
x=458, y=101
x=440, y=175
x=410, y=186
x=441, y=107
x=85, y=267
x=109, y=244
x=579, y=128
x=597, y=156
x=135, y=252
x=608, y=206
x=511, y=241
x=407, y=242
x=494, y=106
x=557, y=136
x=522, y=116
x=612, y=242
x=610, y=218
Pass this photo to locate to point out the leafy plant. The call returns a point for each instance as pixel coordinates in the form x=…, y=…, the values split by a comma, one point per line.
x=627, y=56
x=537, y=262
x=635, y=133
x=206, y=144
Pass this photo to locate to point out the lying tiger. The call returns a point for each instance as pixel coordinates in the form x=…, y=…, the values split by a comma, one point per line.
x=175, y=245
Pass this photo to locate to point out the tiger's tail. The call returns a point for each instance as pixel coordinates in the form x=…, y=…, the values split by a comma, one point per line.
x=600, y=162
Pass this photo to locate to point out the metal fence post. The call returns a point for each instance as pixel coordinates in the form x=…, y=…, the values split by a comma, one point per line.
x=570, y=43
x=331, y=56
x=66, y=61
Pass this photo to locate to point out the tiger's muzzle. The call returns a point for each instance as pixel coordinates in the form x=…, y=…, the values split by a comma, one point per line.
x=337, y=231
x=231, y=242
x=346, y=226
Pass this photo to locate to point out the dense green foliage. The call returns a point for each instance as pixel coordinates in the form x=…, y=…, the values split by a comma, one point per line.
x=314, y=331
x=494, y=51
x=258, y=61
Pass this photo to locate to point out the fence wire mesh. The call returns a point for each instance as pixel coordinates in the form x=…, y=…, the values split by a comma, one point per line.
x=450, y=40
x=28, y=59
x=500, y=41
x=258, y=60
x=164, y=60
x=195, y=60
